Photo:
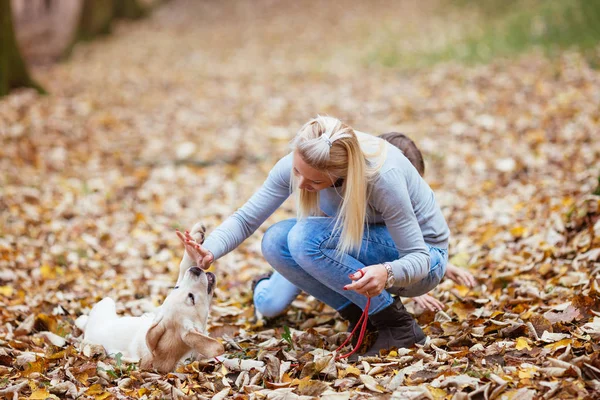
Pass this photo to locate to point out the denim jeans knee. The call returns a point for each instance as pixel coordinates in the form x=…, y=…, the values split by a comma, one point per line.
x=276, y=250
x=306, y=238
x=313, y=246
x=274, y=243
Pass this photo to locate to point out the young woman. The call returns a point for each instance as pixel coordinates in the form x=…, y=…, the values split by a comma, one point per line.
x=273, y=294
x=368, y=226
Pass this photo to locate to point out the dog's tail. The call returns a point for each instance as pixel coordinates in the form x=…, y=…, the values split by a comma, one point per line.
x=81, y=322
x=103, y=311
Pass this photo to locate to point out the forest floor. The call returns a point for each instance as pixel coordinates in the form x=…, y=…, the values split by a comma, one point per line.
x=179, y=117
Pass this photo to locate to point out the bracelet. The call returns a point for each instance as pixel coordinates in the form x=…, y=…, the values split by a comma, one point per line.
x=390, y=276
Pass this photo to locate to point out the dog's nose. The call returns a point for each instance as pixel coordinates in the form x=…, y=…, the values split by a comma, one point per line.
x=196, y=271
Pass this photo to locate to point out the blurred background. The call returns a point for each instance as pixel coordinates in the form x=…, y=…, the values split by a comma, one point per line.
x=400, y=34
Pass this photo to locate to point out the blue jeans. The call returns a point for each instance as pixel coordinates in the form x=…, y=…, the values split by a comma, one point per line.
x=304, y=257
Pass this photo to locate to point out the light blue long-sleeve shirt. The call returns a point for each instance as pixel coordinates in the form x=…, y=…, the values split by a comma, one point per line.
x=399, y=197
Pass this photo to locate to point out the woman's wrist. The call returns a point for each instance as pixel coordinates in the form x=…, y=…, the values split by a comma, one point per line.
x=390, y=275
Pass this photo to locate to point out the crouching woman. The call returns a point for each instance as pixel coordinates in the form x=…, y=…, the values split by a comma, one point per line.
x=368, y=226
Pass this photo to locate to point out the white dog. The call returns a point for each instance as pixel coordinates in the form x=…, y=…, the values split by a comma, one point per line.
x=162, y=339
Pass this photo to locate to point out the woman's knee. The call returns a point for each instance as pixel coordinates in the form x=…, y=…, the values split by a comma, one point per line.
x=306, y=237
x=274, y=243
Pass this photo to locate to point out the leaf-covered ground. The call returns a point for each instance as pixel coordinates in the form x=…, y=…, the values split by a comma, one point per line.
x=179, y=117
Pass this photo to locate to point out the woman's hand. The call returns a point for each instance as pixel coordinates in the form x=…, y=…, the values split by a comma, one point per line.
x=369, y=281
x=428, y=302
x=201, y=256
x=460, y=276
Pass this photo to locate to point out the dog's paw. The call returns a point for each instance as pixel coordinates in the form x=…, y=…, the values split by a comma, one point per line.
x=198, y=232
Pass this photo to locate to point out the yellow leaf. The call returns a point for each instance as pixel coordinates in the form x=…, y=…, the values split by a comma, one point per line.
x=38, y=365
x=545, y=268
x=139, y=217
x=49, y=322
x=509, y=394
x=460, y=260
x=522, y=344
x=487, y=234
x=462, y=290
x=6, y=291
x=61, y=353
x=351, y=370
x=296, y=381
x=393, y=353
x=519, y=206
x=437, y=393
x=224, y=370
x=83, y=378
x=518, y=231
x=525, y=316
x=528, y=373
x=94, y=389
x=98, y=392
x=40, y=394
x=559, y=344
x=47, y=272
x=462, y=311
x=568, y=201
x=142, y=392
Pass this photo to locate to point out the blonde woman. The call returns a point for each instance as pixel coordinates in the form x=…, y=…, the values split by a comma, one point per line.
x=273, y=294
x=368, y=225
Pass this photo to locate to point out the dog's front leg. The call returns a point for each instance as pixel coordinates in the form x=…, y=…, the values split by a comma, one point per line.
x=197, y=233
x=184, y=265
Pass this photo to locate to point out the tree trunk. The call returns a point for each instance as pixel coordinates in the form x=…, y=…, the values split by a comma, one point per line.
x=44, y=32
x=96, y=19
x=129, y=9
x=13, y=71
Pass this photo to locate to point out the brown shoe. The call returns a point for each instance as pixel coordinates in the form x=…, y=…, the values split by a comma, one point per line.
x=396, y=328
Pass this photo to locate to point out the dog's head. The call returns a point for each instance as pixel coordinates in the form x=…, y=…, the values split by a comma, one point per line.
x=180, y=324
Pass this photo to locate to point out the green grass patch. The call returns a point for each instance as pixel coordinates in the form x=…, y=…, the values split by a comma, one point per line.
x=509, y=28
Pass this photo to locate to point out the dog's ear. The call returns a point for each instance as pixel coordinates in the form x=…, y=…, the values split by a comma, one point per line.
x=154, y=334
x=202, y=344
x=165, y=347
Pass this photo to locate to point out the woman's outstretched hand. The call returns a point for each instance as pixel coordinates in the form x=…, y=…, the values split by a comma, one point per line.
x=460, y=276
x=429, y=302
x=369, y=281
x=201, y=256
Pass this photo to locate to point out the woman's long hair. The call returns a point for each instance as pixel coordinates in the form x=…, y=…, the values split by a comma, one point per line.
x=328, y=145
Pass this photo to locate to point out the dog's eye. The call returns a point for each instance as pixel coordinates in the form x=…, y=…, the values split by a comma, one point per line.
x=191, y=296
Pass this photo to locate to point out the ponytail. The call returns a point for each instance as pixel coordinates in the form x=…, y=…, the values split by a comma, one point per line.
x=328, y=145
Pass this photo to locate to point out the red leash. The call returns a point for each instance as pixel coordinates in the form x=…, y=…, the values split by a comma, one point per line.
x=362, y=322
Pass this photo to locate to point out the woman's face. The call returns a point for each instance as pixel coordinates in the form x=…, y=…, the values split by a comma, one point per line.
x=310, y=179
